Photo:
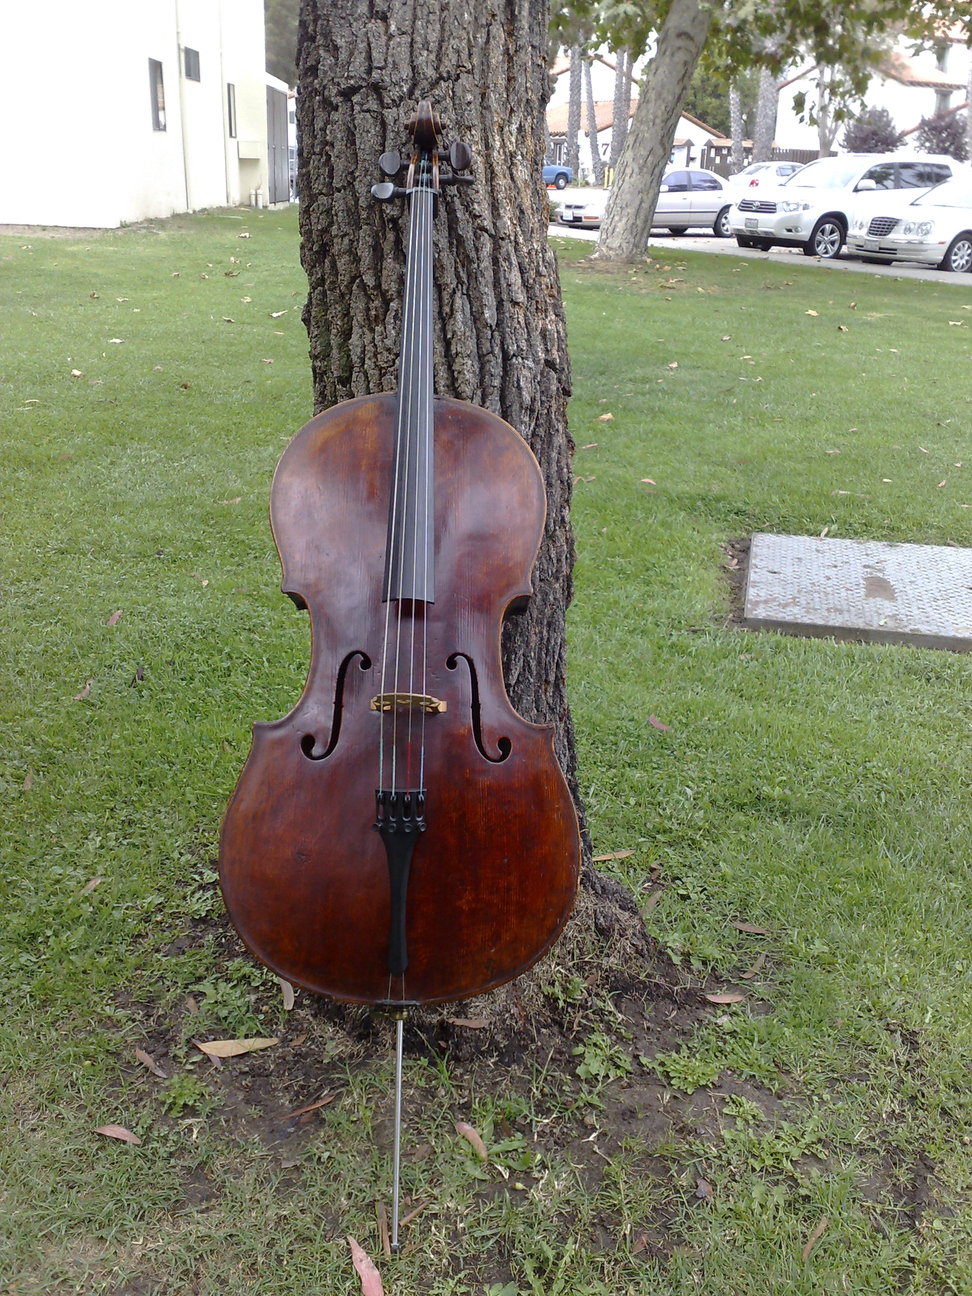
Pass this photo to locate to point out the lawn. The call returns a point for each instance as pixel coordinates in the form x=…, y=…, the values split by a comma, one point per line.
x=793, y=815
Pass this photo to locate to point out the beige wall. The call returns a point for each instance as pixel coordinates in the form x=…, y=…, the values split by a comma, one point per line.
x=78, y=147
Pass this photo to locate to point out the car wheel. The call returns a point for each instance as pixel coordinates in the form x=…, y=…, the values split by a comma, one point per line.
x=826, y=240
x=721, y=227
x=561, y=181
x=677, y=229
x=959, y=254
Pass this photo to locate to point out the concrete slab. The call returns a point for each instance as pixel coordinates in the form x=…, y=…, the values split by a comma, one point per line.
x=860, y=589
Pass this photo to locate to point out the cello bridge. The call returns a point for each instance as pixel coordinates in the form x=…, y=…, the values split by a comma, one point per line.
x=411, y=701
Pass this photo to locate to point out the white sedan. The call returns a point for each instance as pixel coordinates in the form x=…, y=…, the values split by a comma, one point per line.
x=688, y=198
x=933, y=229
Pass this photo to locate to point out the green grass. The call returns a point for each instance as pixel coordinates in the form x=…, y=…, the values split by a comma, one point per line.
x=816, y=791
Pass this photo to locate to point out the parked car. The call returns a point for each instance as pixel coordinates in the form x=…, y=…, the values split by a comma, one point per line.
x=686, y=198
x=558, y=176
x=810, y=210
x=933, y=229
x=758, y=173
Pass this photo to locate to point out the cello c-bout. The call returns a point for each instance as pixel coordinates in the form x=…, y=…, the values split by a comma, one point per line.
x=403, y=836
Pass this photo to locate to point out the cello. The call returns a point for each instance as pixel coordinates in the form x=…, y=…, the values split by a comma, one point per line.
x=403, y=836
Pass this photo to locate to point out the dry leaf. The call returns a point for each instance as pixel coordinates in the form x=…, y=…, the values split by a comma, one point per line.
x=472, y=1136
x=815, y=1237
x=809, y=312
x=91, y=885
x=119, y=1132
x=842, y=328
x=750, y=929
x=730, y=997
x=673, y=364
x=233, y=1048
x=232, y=501
x=311, y=1106
x=114, y=618
x=657, y=724
x=649, y=481
x=621, y=854
x=703, y=1189
x=469, y=1023
x=605, y=418
x=363, y=1264
x=287, y=990
x=28, y=781
x=77, y=373
x=277, y=314
x=78, y=697
x=147, y=1060
x=754, y=970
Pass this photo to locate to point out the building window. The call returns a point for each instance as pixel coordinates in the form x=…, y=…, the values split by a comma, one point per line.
x=231, y=110
x=191, y=58
x=158, y=95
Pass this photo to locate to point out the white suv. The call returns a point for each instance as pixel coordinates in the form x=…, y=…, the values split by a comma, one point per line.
x=810, y=210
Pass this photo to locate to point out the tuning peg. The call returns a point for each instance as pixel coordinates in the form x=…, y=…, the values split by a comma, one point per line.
x=460, y=156
x=390, y=163
x=386, y=191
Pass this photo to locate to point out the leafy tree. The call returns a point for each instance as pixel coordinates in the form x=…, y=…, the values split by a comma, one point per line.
x=873, y=132
x=280, y=17
x=735, y=35
x=944, y=135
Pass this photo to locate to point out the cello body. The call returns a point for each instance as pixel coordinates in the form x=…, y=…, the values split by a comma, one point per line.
x=303, y=872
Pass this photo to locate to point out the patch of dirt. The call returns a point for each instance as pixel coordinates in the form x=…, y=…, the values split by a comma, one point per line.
x=735, y=565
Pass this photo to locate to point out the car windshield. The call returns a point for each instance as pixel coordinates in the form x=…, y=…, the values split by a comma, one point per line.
x=950, y=193
x=825, y=173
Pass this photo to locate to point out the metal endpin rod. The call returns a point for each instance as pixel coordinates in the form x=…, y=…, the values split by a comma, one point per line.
x=397, y=1152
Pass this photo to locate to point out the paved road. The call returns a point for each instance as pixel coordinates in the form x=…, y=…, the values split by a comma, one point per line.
x=662, y=242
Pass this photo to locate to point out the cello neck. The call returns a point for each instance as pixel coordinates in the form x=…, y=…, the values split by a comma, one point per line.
x=409, y=570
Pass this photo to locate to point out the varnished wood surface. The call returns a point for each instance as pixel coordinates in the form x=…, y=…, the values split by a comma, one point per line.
x=494, y=876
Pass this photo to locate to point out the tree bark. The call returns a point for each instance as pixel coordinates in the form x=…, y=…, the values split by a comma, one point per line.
x=736, y=127
x=627, y=221
x=574, y=88
x=597, y=165
x=766, y=109
x=622, y=104
x=499, y=324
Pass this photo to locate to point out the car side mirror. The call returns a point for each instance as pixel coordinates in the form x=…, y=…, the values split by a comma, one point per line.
x=663, y=188
x=865, y=185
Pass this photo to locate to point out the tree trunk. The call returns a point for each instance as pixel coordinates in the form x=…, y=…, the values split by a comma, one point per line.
x=736, y=162
x=574, y=90
x=597, y=165
x=499, y=323
x=627, y=222
x=968, y=113
x=766, y=107
x=622, y=104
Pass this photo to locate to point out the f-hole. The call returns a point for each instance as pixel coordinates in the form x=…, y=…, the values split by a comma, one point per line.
x=503, y=745
x=308, y=742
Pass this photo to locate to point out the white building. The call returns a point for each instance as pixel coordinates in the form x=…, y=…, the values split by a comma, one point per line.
x=114, y=111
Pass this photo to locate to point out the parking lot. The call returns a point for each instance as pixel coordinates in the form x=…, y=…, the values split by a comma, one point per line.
x=662, y=241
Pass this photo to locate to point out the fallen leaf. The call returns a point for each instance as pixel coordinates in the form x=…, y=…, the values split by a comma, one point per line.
x=605, y=418
x=673, y=364
x=469, y=1023
x=234, y=1047
x=137, y=677
x=842, y=328
x=750, y=928
x=77, y=373
x=657, y=724
x=815, y=1237
x=277, y=314
x=957, y=323
x=703, y=1189
x=91, y=885
x=114, y=618
x=119, y=1132
x=78, y=697
x=731, y=997
x=311, y=1106
x=148, y=1061
x=115, y=341
x=243, y=235
x=621, y=854
x=809, y=312
x=28, y=782
x=287, y=991
x=591, y=445
x=232, y=501
x=228, y=319
x=754, y=970
x=649, y=481
x=472, y=1136
x=363, y=1264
